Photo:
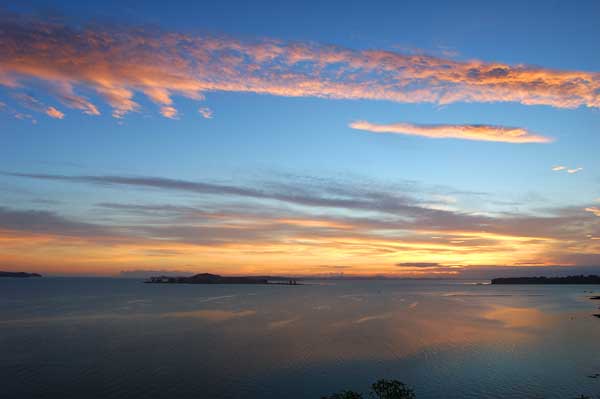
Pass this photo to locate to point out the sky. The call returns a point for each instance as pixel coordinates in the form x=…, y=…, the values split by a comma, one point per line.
x=305, y=138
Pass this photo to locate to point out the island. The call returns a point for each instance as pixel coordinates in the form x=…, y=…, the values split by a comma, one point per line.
x=19, y=274
x=207, y=278
x=591, y=279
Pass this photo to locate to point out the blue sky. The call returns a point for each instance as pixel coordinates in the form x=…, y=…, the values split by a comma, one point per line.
x=266, y=140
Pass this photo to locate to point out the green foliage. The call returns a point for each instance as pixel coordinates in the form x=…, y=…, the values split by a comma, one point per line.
x=391, y=389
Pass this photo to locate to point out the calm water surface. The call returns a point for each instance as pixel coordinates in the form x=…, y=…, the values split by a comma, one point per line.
x=116, y=338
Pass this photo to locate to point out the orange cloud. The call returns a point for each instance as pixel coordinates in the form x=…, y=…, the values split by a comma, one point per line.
x=54, y=113
x=316, y=223
x=169, y=112
x=465, y=132
x=276, y=228
x=117, y=64
x=594, y=209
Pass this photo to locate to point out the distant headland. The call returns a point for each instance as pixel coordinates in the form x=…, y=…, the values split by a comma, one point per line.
x=207, y=278
x=591, y=279
x=19, y=274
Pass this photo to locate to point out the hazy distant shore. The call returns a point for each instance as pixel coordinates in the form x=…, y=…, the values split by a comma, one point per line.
x=207, y=278
x=19, y=274
x=591, y=279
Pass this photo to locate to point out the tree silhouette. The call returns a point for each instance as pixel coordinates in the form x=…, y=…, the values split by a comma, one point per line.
x=382, y=389
x=391, y=389
x=344, y=395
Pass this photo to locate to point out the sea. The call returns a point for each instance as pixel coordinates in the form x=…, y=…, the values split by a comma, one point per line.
x=120, y=338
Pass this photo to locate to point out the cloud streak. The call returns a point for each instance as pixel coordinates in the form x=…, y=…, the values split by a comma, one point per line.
x=465, y=132
x=289, y=228
x=120, y=63
x=570, y=171
x=372, y=200
x=418, y=264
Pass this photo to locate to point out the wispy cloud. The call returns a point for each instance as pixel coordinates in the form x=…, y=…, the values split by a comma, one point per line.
x=17, y=114
x=348, y=199
x=118, y=63
x=260, y=227
x=418, y=264
x=54, y=113
x=465, y=132
x=33, y=103
x=168, y=112
x=44, y=222
x=571, y=171
x=206, y=112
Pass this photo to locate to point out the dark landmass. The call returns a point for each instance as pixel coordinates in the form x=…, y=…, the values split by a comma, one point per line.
x=147, y=274
x=19, y=274
x=394, y=389
x=382, y=389
x=591, y=279
x=207, y=278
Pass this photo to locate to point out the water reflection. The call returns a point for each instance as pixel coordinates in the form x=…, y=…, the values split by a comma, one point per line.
x=211, y=315
x=127, y=339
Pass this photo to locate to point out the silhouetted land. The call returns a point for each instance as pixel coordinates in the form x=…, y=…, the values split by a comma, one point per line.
x=19, y=274
x=207, y=278
x=382, y=389
x=390, y=389
x=591, y=279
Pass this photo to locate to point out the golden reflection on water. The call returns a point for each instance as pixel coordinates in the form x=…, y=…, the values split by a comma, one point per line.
x=429, y=333
x=410, y=327
x=212, y=315
x=519, y=318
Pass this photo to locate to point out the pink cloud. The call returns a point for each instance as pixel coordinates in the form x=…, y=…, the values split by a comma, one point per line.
x=206, y=112
x=465, y=132
x=54, y=113
x=117, y=64
x=169, y=112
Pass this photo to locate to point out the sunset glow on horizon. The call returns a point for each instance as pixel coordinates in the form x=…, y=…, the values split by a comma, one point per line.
x=237, y=150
